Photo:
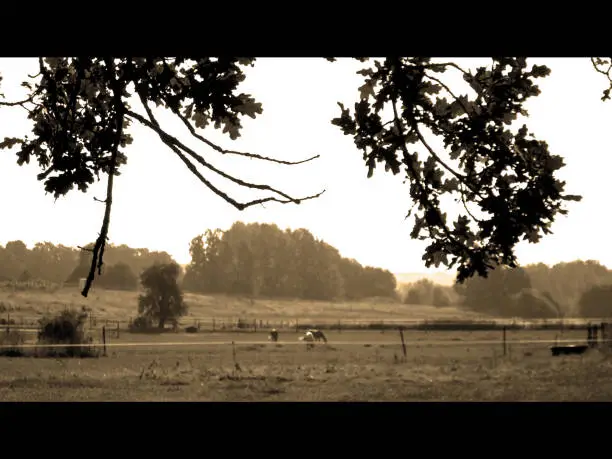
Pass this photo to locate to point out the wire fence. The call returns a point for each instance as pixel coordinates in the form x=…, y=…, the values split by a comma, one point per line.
x=154, y=344
x=117, y=338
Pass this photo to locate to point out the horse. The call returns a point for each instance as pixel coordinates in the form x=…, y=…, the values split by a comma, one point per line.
x=273, y=336
x=312, y=335
x=318, y=335
x=309, y=338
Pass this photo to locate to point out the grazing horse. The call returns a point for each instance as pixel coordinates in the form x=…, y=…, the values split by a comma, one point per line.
x=273, y=336
x=318, y=335
x=311, y=335
x=309, y=338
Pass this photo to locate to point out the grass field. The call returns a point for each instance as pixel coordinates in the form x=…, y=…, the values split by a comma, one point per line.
x=353, y=366
x=117, y=305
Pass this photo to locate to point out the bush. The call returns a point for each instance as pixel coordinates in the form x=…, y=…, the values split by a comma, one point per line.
x=143, y=324
x=11, y=338
x=66, y=328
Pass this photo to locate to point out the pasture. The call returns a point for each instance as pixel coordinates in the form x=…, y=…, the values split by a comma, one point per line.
x=354, y=366
x=121, y=306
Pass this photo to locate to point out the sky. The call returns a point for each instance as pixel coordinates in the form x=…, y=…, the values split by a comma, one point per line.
x=160, y=205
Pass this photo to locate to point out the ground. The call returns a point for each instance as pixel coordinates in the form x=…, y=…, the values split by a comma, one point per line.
x=354, y=366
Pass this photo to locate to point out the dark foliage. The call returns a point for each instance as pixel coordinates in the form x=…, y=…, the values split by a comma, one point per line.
x=162, y=300
x=66, y=328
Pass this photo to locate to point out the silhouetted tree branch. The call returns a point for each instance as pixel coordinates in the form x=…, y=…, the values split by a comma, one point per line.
x=79, y=122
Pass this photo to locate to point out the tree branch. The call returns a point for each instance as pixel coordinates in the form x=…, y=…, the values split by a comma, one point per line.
x=462, y=193
x=19, y=103
x=451, y=64
x=460, y=177
x=232, y=152
x=427, y=203
x=174, y=144
x=459, y=101
x=98, y=249
x=198, y=158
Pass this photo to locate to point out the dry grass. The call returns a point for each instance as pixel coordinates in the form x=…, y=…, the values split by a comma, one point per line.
x=118, y=305
x=355, y=366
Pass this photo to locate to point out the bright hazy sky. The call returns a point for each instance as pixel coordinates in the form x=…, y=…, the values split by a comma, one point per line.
x=159, y=204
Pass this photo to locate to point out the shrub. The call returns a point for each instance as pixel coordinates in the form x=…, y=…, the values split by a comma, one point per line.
x=13, y=338
x=66, y=328
x=142, y=324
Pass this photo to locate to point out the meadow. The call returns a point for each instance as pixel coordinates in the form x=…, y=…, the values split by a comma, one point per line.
x=352, y=366
x=121, y=306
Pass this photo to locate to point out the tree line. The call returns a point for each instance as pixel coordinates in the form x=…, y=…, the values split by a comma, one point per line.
x=575, y=289
x=248, y=259
x=60, y=264
x=263, y=260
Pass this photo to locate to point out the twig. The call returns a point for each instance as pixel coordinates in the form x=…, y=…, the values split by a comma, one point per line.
x=174, y=144
x=233, y=152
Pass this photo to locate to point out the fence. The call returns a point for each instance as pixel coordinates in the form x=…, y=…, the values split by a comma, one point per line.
x=254, y=324
x=103, y=333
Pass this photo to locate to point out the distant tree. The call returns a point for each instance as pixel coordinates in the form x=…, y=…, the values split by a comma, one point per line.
x=566, y=282
x=596, y=302
x=80, y=114
x=530, y=303
x=162, y=300
x=119, y=277
x=440, y=297
x=25, y=276
x=16, y=258
x=413, y=297
x=425, y=292
x=493, y=295
x=52, y=263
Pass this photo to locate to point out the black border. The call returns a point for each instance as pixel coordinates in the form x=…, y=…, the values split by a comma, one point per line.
x=306, y=29
x=312, y=423
x=300, y=29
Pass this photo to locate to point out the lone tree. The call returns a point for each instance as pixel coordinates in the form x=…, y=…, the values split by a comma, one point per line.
x=81, y=112
x=162, y=300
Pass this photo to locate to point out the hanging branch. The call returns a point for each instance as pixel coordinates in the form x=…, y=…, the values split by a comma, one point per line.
x=100, y=244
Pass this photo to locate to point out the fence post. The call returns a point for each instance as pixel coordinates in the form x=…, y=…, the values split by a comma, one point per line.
x=504, y=338
x=104, y=339
x=403, y=343
x=117, y=329
x=255, y=325
x=213, y=324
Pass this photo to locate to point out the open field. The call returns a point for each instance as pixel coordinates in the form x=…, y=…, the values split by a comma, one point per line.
x=118, y=305
x=354, y=366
